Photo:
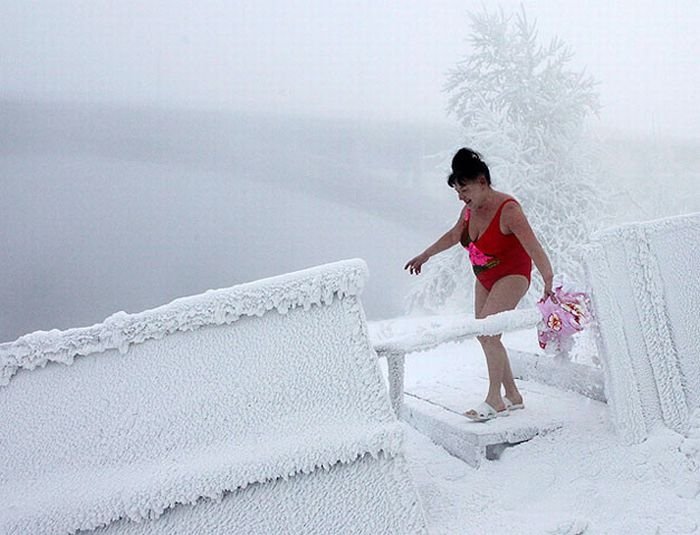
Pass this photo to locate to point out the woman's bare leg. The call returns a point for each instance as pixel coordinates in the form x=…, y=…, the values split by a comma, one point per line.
x=505, y=294
x=512, y=392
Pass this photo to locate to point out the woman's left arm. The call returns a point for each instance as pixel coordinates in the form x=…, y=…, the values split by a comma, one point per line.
x=514, y=220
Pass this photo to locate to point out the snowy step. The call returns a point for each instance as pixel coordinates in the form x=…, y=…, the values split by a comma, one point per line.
x=471, y=443
x=439, y=416
x=451, y=379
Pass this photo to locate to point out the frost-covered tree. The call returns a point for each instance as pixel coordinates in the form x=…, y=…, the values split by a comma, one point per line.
x=523, y=107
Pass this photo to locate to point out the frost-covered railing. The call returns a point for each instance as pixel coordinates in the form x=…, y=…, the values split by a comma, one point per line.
x=646, y=297
x=395, y=349
x=556, y=370
x=512, y=320
x=215, y=307
x=253, y=409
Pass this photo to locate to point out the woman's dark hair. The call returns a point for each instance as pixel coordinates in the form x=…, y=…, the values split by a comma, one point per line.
x=467, y=165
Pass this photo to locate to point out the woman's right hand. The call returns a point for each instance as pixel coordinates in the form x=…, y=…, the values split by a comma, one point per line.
x=414, y=265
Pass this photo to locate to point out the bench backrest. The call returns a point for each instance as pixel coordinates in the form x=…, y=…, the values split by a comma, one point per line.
x=645, y=285
x=212, y=395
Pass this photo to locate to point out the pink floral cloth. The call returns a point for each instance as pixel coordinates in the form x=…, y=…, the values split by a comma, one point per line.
x=563, y=315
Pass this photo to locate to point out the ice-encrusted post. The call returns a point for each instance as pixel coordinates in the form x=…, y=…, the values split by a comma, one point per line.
x=396, y=367
x=396, y=348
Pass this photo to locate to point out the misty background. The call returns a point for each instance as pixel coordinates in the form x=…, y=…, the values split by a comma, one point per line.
x=150, y=151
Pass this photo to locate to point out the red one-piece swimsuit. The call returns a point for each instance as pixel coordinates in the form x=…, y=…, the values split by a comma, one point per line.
x=494, y=255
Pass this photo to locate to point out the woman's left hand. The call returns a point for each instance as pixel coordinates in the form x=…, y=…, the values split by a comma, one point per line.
x=547, y=290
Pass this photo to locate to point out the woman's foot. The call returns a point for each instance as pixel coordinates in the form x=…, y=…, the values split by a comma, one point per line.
x=485, y=411
x=497, y=405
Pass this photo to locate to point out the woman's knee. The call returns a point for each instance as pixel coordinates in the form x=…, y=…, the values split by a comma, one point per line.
x=487, y=341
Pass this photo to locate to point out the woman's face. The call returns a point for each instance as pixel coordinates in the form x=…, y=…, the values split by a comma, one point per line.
x=473, y=192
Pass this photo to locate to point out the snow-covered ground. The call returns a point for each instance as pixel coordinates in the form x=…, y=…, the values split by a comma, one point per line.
x=576, y=479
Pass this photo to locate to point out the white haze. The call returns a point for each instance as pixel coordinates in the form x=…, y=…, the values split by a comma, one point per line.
x=153, y=150
x=384, y=60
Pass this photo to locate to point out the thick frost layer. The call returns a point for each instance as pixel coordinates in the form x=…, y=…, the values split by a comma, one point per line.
x=645, y=293
x=458, y=327
x=305, y=504
x=202, y=408
x=304, y=288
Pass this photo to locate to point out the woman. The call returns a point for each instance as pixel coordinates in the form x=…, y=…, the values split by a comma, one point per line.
x=502, y=247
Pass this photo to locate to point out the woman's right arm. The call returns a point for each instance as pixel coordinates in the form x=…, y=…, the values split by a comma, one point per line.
x=447, y=240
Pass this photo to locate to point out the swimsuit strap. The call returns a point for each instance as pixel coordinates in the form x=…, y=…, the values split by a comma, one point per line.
x=496, y=218
x=504, y=203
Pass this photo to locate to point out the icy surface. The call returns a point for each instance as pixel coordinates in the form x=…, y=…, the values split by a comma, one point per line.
x=209, y=399
x=644, y=288
x=305, y=504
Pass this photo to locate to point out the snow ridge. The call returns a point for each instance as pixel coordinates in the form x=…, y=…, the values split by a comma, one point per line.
x=661, y=351
x=214, y=307
x=642, y=278
x=621, y=387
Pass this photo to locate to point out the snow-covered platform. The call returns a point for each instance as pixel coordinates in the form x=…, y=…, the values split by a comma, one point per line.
x=435, y=410
x=442, y=383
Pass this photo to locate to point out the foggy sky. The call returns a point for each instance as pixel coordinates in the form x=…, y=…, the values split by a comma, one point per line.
x=385, y=60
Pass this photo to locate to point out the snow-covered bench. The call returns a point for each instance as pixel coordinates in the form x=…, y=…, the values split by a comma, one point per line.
x=254, y=409
x=645, y=281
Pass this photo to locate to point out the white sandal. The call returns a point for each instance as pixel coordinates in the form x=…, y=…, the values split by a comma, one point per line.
x=512, y=406
x=485, y=412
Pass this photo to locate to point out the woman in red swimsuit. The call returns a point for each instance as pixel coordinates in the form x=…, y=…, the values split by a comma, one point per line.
x=502, y=247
